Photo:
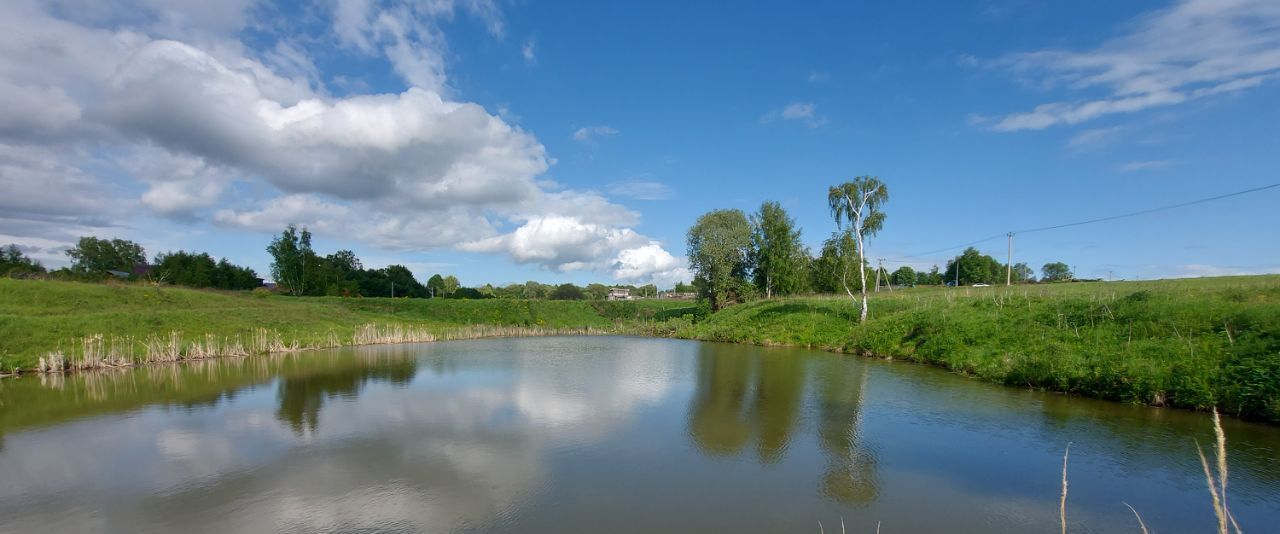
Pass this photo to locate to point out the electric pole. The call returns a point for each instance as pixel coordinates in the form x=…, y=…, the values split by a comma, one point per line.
x=958, y=270
x=879, y=267
x=1008, y=274
x=887, y=278
x=393, y=289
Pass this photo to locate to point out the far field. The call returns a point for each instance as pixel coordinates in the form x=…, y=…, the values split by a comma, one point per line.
x=1192, y=343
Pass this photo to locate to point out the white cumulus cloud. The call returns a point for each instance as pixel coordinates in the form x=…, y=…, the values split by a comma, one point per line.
x=1192, y=50
x=116, y=105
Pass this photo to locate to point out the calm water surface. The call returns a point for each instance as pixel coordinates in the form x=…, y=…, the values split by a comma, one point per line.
x=597, y=434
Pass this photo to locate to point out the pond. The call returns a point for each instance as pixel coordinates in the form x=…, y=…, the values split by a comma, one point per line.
x=598, y=434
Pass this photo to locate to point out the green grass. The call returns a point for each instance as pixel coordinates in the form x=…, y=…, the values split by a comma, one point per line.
x=37, y=317
x=1193, y=343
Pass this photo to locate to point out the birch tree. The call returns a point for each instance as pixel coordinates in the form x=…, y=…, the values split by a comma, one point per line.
x=858, y=204
x=290, y=254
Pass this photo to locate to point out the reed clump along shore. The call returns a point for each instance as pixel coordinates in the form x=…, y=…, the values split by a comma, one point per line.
x=92, y=352
x=1194, y=343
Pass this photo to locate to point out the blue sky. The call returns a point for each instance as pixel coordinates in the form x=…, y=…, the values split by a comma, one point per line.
x=508, y=141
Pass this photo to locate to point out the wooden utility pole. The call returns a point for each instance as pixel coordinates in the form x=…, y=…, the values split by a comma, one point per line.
x=1008, y=274
x=888, y=279
x=879, y=267
x=958, y=270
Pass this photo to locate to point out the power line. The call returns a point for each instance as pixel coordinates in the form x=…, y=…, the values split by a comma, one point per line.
x=924, y=255
x=1151, y=210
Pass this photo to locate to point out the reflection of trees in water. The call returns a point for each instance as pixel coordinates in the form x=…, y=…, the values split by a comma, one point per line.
x=718, y=420
x=779, y=394
x=302, y=397
x=740, y=398
x=851, y=469
x=743, y=398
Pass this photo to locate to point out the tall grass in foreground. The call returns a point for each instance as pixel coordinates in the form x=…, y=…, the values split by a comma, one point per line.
x=1217, y=483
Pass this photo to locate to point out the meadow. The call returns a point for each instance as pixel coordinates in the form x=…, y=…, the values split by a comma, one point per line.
x=1192, y=343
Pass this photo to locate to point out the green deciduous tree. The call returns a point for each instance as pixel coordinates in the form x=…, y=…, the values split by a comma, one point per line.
x=859, y=202
x=292, y=260
x=402, y=283
x=597, y=291
x=1056, y=272
x=719, y=255
x=533, y=290
x=93, y=256
x=194, y=269
x=975, y=268
x=777, y=253
x=567, y=292
x=451, y=285
x=435, y=286
x=904, y=276
x=835, y=268
x=14, y=262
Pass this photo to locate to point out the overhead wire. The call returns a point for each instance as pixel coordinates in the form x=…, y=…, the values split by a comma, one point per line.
x=907, y=258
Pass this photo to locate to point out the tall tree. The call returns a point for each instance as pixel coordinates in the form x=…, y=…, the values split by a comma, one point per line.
x=1056, y=272
x=93, y=256
x=975, y=267
x=720, y=254
x=345, y=261
x=14, y=262
x=451, y=284
x=777, y=250
x=859, y=202
x=290, y=255
x=402, y=283
x=435, y=286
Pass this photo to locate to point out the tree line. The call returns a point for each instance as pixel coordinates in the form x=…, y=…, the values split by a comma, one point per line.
x=298, y=270
x=96, y=259
x=736, y=257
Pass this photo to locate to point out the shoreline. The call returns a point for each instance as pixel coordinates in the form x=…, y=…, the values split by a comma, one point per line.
x=1187, y=344
x=479, y=332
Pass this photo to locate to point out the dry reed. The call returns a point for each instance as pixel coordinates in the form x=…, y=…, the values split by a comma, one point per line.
x=94, y=352
x=1062, y=510
x=1141, y=524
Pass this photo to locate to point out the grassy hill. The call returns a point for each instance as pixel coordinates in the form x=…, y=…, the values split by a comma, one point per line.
x=1185, y=343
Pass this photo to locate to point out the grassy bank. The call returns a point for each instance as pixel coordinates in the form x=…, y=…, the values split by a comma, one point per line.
x=1183, y=343
x=1190, y=343
x=122, y=324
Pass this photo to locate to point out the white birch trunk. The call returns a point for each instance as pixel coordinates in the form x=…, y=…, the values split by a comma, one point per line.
x=862, y=269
